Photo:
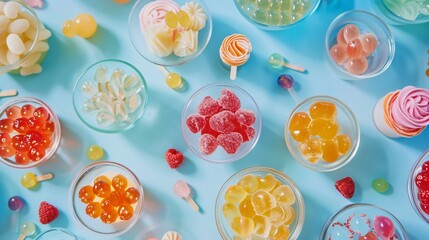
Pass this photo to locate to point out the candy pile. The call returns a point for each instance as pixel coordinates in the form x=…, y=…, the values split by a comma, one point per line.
x=318, y=133
x=259, y=207
x=19, y=39
x=169, y=28
x=275, y=12
x=408, y=9
x=110, y=199
x=222, y=122
x=114, y=99
x=422, y=183
x=26, y=133
x=352, y=49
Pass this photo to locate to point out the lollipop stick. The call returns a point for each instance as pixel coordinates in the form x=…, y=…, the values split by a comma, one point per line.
x=14, y=221
x=44, y=177
x=233, y=73
x=294, y=67
x=164, y=70
x=21, y=237
x=8, y=93
x=192, y=203
x=293, y=94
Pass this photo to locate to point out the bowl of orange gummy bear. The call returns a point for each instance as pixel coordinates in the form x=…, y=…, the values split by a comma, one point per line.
x=106, y=198
x=259, y=203
x=322, y=133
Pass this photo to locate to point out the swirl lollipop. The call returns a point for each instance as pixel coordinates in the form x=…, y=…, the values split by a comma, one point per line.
x=235, y=51
x=27, y=229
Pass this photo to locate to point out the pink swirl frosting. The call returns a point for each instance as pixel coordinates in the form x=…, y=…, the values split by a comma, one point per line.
x=154, y=12
x=411, y=108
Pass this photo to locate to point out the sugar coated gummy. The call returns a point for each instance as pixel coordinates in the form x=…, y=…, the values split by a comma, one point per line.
x=245, y=117
x=208, y=106
x=229, y=101
x=208, y=144
x=230, y=141
x=223, y=122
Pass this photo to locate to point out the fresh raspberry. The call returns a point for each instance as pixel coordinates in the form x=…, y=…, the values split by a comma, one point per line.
x=423, y=196
x=422, y=180
x=346, y=187
x=47, y=213
x=229, y=101
x=174, y=158
x=208, y=144
x=208, y=106
x=230, y=141
x=245, y=117
x=195, y=122
x=223, y=122
x=425, y=166
x=208, y=130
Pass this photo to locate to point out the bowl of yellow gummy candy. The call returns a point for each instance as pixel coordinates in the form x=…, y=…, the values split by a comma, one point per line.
x=322, y=133
x=276, y=14
x=259, y=203
x=170, y=32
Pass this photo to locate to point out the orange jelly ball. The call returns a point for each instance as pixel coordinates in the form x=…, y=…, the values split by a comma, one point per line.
x=102, y=189
x=350, y=32
x=299, y=120
x=125, y=212
x=311, y=150
x=106, y=204
x=354, y=48
x=344, y=143
x=94, y=209
x=117, y=198
x=338, y=53
x=357, y=66
x=132, y=195
x=330, y=150
x=300, y=135
x=369, y=43
x=86, y=194
x=119, y=182
x=102, y=178
x=323, y=109
x=324, y=128
x=109, y=216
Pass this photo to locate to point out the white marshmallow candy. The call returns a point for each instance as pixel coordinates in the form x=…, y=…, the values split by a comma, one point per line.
x=4, y=22
x=11, y=9
x=19, y=26
x=32, y=59
x=11, y=57
x=34, y=69
x=15, y=44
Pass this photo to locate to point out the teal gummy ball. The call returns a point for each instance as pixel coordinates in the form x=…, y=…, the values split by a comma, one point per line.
x=380, y=185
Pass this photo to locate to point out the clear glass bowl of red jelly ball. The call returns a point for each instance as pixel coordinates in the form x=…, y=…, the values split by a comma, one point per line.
x=235, y=211
x=30, y=132
x=322, y=133
x=163, y=45
x=363, y=221
x=418, y=186
x=231, y=139
x=403, y=12
x=359, y=45
x=110, y=96
x=105, y=172
x=276, y=15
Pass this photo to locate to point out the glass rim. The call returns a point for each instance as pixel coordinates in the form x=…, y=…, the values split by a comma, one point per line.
x=54, y=229
x=412, y=188
x=347, y=157
x=393, y=18
x=234, y=157
x=144, y=100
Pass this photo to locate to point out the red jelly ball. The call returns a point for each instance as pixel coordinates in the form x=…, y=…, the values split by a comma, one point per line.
x=33, y=138
x=338, y=53
x=6, y=125
x=340, y=37
x=48, y=127
x=21, y=125
x=7, y=152
x=20, y=143
x=369, y=43
x=5, y=139
x=41, y=114
x=350, y=32
x=354, y=48
x=22, y=158
x=422, y=180
x=13, y=112
x=425, y=208
x=27, y=110
x=36, y=153
x=425, y=166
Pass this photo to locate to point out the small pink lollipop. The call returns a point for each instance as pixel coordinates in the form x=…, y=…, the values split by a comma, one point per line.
x=182, y=190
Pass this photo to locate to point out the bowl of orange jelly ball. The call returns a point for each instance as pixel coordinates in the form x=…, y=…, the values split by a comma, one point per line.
x=106, y=198
x=259, y=203
x=322, y=133
x=359, y=45
x=30, y=132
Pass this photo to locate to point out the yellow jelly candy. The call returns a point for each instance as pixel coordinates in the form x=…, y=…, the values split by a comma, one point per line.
x=323, y=109
x=285, y=195
x=174, y=81
x=184, y=19
x=171, y=19
x=235, y=194
x=263, y=201
x=246, y=208
x=280, y=215
x=344, y=143
x=278, y=184
x=86, y=25
x=95, y=152
x=69, y=28
x=311, y=150
x=267, y=183
x=262, y=226
x=249, y=183
x=299, y=120
x=330, y=150
x=230, y=211
x=324, y=128
x=280, y=233
x=300, y=135
x=242, y=226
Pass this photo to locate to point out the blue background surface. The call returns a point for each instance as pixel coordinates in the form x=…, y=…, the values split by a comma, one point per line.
x=142, y=148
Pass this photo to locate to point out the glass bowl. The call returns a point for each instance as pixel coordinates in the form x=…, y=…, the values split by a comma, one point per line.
x=412, y=187
x=114, y=105
x=56, y=233
x=276, y=15
x=55, y=137
x=86, y=177
x=138, y=38
x=359, y=218
x=214, y=91
x=347, y=125
x=387, y=8
x=295, y=226
x=379, y=60
x=158, y=231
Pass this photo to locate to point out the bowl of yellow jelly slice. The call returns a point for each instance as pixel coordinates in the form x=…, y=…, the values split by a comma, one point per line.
x=322, y=133
x=259, y=203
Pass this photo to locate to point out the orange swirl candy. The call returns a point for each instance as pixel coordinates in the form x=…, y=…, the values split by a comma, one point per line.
x=235, y=50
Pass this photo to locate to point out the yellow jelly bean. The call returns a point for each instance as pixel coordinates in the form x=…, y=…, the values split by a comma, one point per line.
x=171, y=19
x=285, y=195
x=184, y=19
x=344, y=143
x=311, y=150
x=246, y=208
x=242, y=226
x=230, y=211
x=330, y=150
x=249, y=183
x=262, y=226
x=235, y=194
x=323, y=109
x=267, y=183
x=174, y=81
x=263, y=201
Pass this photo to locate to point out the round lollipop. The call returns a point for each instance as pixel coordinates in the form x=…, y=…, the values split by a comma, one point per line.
x=277, y=61
x=182, y=190
x=286, y=81
x=15, y=203
x=27, y=229
x=173, y=80
x=30, y=180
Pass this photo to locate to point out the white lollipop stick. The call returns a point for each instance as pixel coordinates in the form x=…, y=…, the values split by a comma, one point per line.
x=293, y=95
x=192, y=203
x=44, y=177
x=8, y=93
x=233, y=73
x=164, y=70
x=293, y=67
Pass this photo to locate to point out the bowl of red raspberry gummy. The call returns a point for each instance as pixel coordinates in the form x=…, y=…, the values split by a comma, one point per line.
x=221, y=123
x=418, y=186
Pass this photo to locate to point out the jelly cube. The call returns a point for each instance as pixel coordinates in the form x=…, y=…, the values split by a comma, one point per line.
x=330, y=150
x=249, y=183
x=230, y=211
x=246, y=208
x=284, y=194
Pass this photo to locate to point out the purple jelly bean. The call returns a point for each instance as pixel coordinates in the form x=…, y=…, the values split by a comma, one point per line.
x=285, y=81
x=16, y=203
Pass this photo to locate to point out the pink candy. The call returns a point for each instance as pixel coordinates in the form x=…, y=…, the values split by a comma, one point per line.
x=384, y=227
x=208, y=144
x=230, y=141
x=229, y=101
x=195, y=123
x=245, y=117
x=208, y=106
x=223, y=122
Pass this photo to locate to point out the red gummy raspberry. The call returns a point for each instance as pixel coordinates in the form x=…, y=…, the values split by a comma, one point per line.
x=346, y=187
x=174, y=158
x=230, y=141
x=245, y=117
x=195, y=122
x=249, y=131
x=208, y=144
x=425, y=208
x=207, y=129
x=208, y=106
x=422, y=180
x=423, y=196
x=425, y=166
x=229, y=101
x=223, y=122
x=47, y=213
x=242, y=130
